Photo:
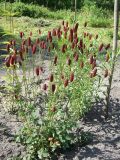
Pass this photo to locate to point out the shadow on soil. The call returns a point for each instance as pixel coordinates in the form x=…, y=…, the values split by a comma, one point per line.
x=105, y=133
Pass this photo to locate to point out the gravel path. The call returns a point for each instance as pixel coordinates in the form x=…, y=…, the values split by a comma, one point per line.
x=106, y=134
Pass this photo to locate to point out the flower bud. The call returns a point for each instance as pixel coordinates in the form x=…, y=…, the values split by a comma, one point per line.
x=81, y=64
x=69, y=61
x=51, y=78
x=106, y=73
x=21, y=35
x=107, y=57
x=71, y=77
x=101, y=47
x=34, y=49
x=53, y=88
x=85, y=24
x=55, y=60
x=66, y=83
x=45, y=87
x=107, y=47
x=91, y=59
x=37, y=70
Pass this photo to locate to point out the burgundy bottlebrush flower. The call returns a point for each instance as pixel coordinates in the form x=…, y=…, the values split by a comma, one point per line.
x=81, y=64
x=30, y=34
x=76, y=27
x=45, y=87
x=80, y=44
x=85, y=24
x=53, y=109
x=96, y=36
x=91, y=45
x=37, y=41
x=50, y=39
x=66, y=83
x=63, y=49
x=91, y=59
x=62, y=76
x=106, y=73
x=71, y=77
x=71, y=35
x=59, y=35
x=73, y=45
x=13, y=42
x=34, y=48
x=68, y=61
x=8, y=47
x=55, y=60
x=45, y=46
x=53, y=88
x=94, y=64
x=107, y=47
x=76, y=57
x=75, y=35
x=85, y=34
x=66, y=24
x=41, y=70
x=94, y=72
x=107, y=57
x=21, y=55
x=7, y=63
x=39, y=31
x=65, y=35
x=23, y=42
x=54, y=32
x=12, y=60
x=52, y=45
x=90, y=36
x=76, y=41
x=75, y=53
x=21, y=35
x=101, y=47
x=49, y=34
x=37, y=71
x=51, y=78
x=29, y=41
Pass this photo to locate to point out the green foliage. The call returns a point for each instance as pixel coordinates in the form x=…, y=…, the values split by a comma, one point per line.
x=37, y=11
x=50, y=109
x=97, y=17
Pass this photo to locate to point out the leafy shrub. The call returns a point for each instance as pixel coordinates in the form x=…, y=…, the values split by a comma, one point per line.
x=51, y=108
x=100, y=22
x=97, y=17
x=37, y=11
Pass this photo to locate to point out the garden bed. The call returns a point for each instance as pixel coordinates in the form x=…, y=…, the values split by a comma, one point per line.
x=106, y=137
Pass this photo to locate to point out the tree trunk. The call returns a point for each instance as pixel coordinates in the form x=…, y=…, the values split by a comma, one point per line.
x=115, y=38
x=75, y=10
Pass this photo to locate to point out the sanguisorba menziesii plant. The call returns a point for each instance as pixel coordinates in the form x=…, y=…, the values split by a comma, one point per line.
x=77, y=69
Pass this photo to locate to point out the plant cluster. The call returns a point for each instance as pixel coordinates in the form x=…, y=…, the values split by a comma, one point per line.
x=51, y=107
